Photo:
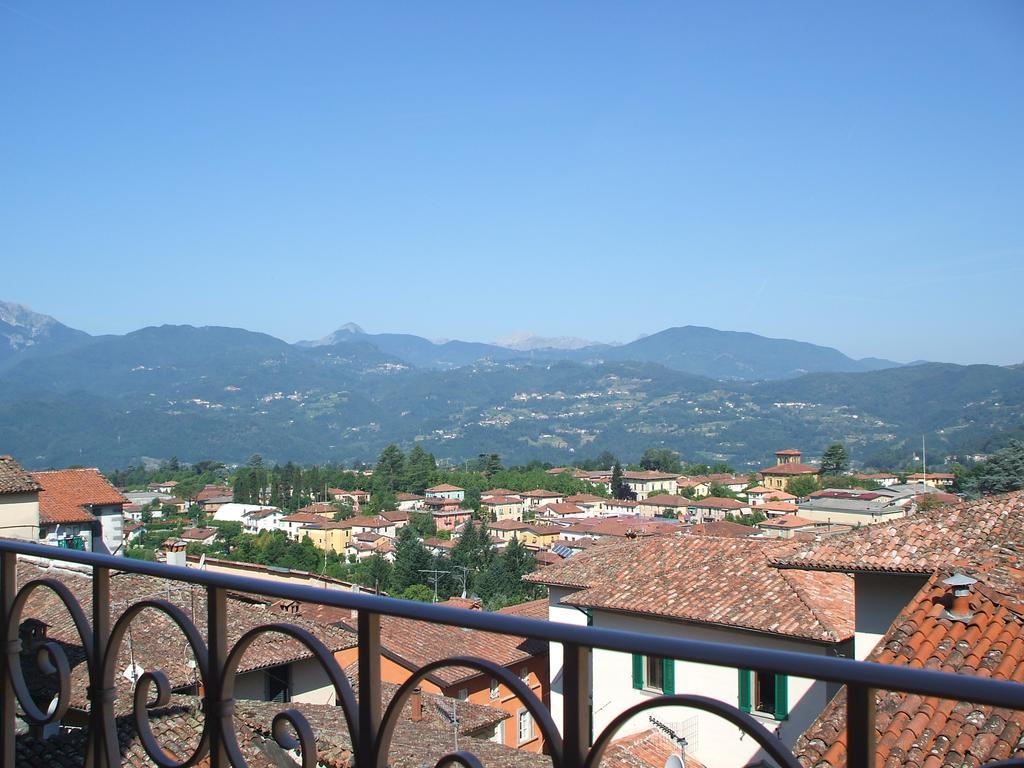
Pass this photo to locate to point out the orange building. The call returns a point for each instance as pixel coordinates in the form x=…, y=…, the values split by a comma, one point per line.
x=408, y=645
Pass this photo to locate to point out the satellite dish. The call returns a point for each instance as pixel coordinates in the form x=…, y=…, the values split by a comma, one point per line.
x=674, y=761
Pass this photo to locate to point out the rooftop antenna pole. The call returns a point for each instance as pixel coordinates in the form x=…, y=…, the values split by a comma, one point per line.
x=924, y=463
x=465, y=574
x=435, y=577
x=455, y=722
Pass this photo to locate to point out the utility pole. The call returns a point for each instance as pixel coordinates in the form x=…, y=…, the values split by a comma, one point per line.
x=435, y=577
x=465, y=577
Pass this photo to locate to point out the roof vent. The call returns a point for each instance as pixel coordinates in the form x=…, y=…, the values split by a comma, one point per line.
x=960, y=607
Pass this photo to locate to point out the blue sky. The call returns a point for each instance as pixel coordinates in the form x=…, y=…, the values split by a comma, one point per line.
x=847, y=174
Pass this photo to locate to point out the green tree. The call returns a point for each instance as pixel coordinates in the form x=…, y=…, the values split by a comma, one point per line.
x=411, y=559
x=802, y=485
x=661, y=460
x=390, y=470
x=419, y=592
x=835, y=460
x=375, y=572
x=619, y=488
x=1002, y=472
x=420, y=467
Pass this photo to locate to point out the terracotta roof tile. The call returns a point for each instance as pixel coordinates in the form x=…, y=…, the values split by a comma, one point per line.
x=724, y=581
x=418, y=643
x=972, y=535
x=922, y=732
x=14, y=478
x=67, y=493
x=154, y=637
x=646, y=749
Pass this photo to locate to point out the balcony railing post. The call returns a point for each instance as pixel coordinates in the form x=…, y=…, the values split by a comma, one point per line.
x=369, y=691
x=12, y=647
x=219, y=713
x=576, y=714
x=860, y=726
x=101, y=701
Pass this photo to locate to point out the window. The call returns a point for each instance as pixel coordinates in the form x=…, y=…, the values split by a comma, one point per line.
x=524, y=675
x=463, y=694
x=525, y=726
x=764, y=693
x=494, y=688
x=279, y=684
x=499, y=733
x=653, y=673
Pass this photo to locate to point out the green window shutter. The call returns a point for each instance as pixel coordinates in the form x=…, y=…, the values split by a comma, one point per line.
x=745, y=686
x=668, y=676
x=590, y=617
x=638, y=671
x=781, y=697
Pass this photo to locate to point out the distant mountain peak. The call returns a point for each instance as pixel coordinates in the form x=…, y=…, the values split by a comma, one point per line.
x=21, y=316
x=344, y=333
x=23, y=329
x=524, y=341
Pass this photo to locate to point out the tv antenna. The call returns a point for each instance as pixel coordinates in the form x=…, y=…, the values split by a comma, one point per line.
x=465, y=576
x=674, y=736
x=435, y=575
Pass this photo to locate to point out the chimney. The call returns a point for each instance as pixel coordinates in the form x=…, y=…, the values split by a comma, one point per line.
x=174, y=553
x=416, y=701
x=960, y=605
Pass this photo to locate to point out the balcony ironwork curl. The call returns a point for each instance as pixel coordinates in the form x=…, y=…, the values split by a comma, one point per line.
x=370, y=732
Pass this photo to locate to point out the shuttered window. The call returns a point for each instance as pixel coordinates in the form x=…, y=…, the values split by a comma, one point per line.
x=653, y=673
x=765, y=693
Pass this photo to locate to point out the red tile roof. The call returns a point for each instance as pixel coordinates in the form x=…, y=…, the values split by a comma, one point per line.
x=711, y=580
x=788, y=452
x=540, y=493
x=777, y=506
x=198, y=534
x=717, y=502
x=444, y=488
x=319, y=508
x=645, y=475
x=418, y=643
x=724, y=528
x=560, y=508
x=66, y=494
x=927, y=732
x=585, y=498
x=646, y=749
x=786, y=521
x=668, y=501
x=969, y=535
x=14, y=478
x=630, y=527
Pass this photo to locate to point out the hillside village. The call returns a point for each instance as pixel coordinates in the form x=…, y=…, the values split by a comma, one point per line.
x=639, y=549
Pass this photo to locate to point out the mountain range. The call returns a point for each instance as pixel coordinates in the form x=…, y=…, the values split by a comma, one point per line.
x=226, y=393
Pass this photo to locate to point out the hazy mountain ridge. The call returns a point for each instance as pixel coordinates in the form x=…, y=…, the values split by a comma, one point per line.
x=691, y=349
x=226, y=393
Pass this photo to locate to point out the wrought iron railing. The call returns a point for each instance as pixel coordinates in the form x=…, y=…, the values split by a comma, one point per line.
x=370, y=727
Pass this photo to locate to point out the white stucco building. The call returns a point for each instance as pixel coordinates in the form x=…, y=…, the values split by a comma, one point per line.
x=701, y=588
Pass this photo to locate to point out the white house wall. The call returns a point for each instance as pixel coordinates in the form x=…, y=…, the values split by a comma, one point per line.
x=879, y=599
x=718, y=743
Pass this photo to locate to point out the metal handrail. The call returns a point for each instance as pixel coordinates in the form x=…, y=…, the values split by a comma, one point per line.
x=861, y=677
